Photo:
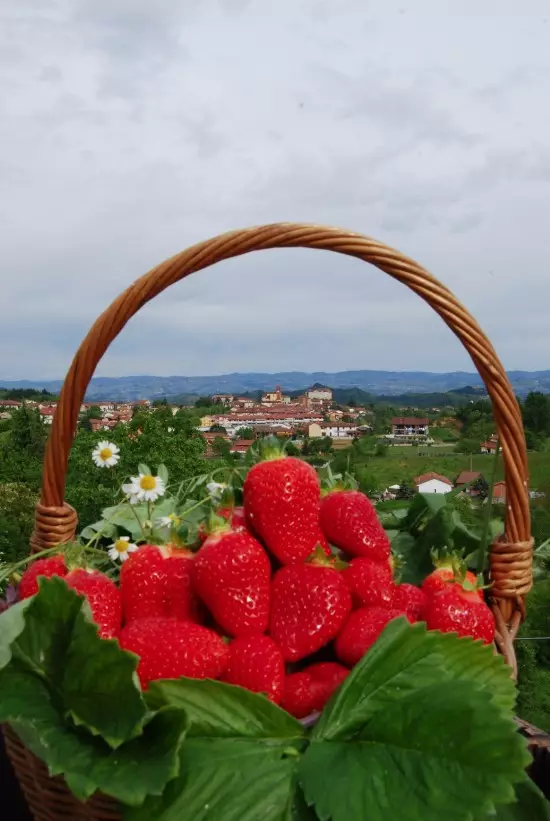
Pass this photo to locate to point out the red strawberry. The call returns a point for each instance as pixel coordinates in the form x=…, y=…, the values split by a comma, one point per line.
x=143, y=584
x=181, y=600
x=448, y=570
x=308, y=691
x=46, y=568
x=360, y=632
x=327, y=676
x=349, y=521
x=459, y=610
x=168, y=648
x=309, y=605
x=370, y=583
x=231, y=574
x=256, y=663
x=412, y=600
x=324, y=545
x=103, y=597
x=281, y=502
x=298, y=698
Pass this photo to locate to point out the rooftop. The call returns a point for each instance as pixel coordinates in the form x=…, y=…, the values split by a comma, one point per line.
x=426, y=477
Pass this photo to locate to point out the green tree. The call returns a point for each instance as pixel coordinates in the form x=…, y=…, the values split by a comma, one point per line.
x=91, y=413
x=28, y=432
x=536, y=413
x=406, y=490
x=204, y=402
x=245, y=433
x=481, y=486
x=17, y=502
x=217, y=429
x=221, y=447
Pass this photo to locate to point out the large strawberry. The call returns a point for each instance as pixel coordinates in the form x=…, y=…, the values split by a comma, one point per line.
x=143, y=584
x=231, y=574
x=360, y=631
x=412, y=600
x=281, y=502
x=256, y=663
x=370, y=583
x=308, y=691
x=157, y=581
x=41, y=568
x=103, y=597
x=181, y=600
x=458, y=609
x=349, y=521
x=168, y=648
x=309, y=604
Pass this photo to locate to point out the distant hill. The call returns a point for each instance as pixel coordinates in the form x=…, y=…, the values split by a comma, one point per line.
x=380, y=383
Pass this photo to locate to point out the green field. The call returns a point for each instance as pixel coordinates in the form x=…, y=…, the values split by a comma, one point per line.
x=406, y=463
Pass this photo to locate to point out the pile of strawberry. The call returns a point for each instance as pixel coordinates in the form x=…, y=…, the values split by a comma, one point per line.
x=284, y=596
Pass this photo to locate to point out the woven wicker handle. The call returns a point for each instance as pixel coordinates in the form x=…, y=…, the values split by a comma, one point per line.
x=511, y=557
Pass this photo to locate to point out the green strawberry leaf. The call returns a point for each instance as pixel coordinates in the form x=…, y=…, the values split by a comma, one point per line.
x=93, y=679
x=405, y=659
x=12, y=624
x=239, y=760
x=530, y=805
x=442, y=752
x=100, y=688
x=139, y=768
x=226, y=780
x=224, y=711
x=429, y=717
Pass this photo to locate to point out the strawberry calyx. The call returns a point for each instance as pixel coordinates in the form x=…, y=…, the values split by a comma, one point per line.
x=451, y=561
x=332, y=482
x=320, y=559
x=271, y=448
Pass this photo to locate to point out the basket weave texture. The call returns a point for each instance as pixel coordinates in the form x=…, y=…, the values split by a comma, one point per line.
x=56, y=522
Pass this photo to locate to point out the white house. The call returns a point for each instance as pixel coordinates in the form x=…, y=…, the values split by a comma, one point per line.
x=334, y=430
x=433, y=483
x=319, y=394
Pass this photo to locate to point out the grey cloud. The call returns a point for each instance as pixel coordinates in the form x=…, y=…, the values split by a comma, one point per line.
x=129, y=131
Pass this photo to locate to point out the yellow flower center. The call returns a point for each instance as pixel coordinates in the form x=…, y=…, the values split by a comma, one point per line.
x=121, y=546
x=147, y=483
x=105, y=453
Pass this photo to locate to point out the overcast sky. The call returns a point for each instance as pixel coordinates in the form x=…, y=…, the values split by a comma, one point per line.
x=131, y=129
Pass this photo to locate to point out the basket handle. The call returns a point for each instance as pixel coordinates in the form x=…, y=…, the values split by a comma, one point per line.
x=511, y=557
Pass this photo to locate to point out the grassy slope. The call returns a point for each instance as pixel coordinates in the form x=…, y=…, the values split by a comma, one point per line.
x=405, y=463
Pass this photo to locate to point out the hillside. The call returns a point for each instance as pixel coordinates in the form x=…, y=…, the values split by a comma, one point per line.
x=392, y=384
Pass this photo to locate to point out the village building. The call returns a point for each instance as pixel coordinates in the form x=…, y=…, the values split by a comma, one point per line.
x=433, y=483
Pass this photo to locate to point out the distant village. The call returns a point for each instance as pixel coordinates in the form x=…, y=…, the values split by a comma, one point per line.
x=314, y=414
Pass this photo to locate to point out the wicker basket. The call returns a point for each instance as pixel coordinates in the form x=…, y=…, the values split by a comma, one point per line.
x=56, y=522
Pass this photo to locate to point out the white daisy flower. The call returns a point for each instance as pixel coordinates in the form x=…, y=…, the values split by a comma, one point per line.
x=105, y=455
x=144, y=488
x=215, y=490
x=121, y=549
x=168, y=521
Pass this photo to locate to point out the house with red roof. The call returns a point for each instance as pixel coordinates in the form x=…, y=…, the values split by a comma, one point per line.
x=406, y=426
x=433, y=483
